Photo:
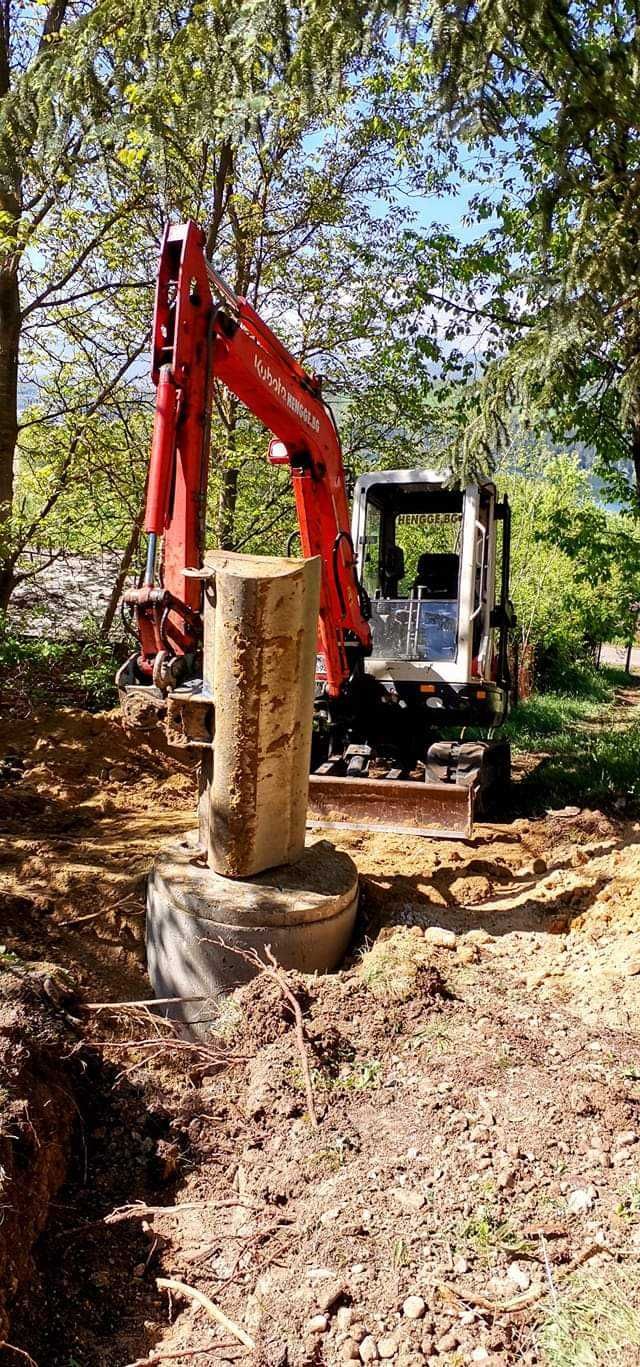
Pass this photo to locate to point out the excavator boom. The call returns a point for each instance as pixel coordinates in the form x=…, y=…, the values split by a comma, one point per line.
x=204, y=332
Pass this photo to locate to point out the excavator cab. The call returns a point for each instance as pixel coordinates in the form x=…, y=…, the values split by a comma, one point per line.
x=427, y=556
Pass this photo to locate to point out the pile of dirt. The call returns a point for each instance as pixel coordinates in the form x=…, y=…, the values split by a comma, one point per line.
x=83, y=807
x=64, y=767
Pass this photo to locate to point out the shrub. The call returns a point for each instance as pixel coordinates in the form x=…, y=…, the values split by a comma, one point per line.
x=60, y=673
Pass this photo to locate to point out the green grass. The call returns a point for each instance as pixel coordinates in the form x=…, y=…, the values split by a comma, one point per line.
x=587, y=756
x=391, y=967
x=435, y=1036
x=362, y=1076
x=488, y=1234
x=7, y=958
x=585, y=697
x=594, y=1323
x=629, y=1204
x=550, y=717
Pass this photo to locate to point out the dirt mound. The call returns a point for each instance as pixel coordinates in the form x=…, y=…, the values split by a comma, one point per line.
x=400, y=967
x=83, y=808
x=456, y=1149
x=62, y=767
x=265, y=1012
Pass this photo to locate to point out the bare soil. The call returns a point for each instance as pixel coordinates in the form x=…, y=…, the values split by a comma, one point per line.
x=37, y=1117
x=477, y=1093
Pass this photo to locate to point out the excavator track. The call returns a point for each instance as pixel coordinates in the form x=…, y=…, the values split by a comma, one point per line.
x=401, y=806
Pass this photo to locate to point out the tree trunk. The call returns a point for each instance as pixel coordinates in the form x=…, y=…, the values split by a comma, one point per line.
x=10, y=325
x=635, y=423
x=228, y=481
x=7, y=583
x=9, y=344
x=123, y=570
x=227, y=510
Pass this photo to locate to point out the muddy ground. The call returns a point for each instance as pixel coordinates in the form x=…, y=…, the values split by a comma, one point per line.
x=475, y=1069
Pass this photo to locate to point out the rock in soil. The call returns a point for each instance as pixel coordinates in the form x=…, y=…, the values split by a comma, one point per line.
x=414, y=1307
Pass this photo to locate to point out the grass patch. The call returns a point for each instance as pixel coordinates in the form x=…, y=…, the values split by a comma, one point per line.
x=587, y=756
x=393, y=965
x=588, y=770
x=7, y=958
x=595, y=1323
x=583, y=679
x=551, y=718
x=629, y=1204
x=329, y=1160
x=587, y=697
x=229, y=1019
x=487, y=1234
x=434, y=1036
x=362, y=1076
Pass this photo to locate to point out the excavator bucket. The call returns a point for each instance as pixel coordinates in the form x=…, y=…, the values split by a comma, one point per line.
x=442, y=811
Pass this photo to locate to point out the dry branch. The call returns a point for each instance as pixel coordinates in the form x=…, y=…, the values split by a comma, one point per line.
x=155, y=1357
x=214, y=1311
x=11, y=1348
x=276, y=972
x=140, y=1063
x=169, y=1043
x=77, y=920
x=140, y=1211
x=93, y=915
x=522, y=1302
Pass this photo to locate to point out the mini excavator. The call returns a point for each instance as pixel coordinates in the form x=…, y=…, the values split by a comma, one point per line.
x=414, y=603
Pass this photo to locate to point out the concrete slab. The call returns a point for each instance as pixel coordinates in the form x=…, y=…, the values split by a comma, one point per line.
x=197, y=920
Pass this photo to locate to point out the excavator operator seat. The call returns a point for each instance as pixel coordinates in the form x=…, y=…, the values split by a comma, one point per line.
x=392, y=571
x=437, y=576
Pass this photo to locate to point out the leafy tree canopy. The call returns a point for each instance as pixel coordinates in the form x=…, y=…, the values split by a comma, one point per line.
x=539, y=102
x=575, y=577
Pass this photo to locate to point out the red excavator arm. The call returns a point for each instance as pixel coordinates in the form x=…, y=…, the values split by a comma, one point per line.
x=203, y=332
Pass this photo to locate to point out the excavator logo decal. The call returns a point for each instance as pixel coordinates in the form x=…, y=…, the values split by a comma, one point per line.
x=267, y=377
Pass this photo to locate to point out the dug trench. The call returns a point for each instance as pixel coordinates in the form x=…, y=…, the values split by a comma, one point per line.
x=472, y=1153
